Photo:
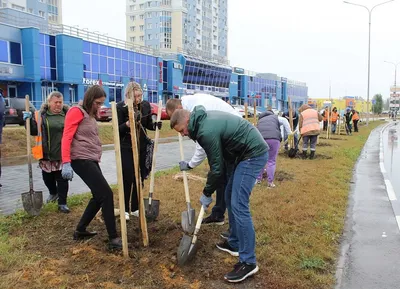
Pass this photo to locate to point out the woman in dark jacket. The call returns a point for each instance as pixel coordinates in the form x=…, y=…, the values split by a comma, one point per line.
x=48, y=125
x=144, y=121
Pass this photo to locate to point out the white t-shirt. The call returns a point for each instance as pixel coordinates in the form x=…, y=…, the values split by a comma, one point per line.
x=189, y=102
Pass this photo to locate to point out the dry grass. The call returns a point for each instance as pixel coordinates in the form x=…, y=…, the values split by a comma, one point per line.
x=14, y=138
x=298, y=227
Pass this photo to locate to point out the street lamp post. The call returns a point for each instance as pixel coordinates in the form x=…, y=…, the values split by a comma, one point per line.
x=369, y=45
x=395, y=78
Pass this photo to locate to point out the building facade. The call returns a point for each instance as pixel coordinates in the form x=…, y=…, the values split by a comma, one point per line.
x=48, y=10
x=198, y=27
x=36, y=61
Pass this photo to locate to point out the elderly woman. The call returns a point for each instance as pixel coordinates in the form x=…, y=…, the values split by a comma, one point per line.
x=81, y=151
x=48, y=125
x=309, y=128
x=144, y=121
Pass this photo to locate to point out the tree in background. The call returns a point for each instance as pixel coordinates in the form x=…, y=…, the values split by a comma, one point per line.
x=387, y=104
x=378, y=106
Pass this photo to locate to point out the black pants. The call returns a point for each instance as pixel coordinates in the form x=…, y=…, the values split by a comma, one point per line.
x=220, y=206
x=325, y=126
x=129, y=179
x=91, y=174
x=56, y=185
x=355, y=124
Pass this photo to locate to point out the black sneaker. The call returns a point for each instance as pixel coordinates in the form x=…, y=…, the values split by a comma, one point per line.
x=84, y=235
x=211, y=219
x=224, y=246
x=63, y=209
x=240, y=272
x=115, y=244
x=224, y=235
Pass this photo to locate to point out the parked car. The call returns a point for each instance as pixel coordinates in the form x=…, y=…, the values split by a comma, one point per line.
x=14, y=108
x=154, y=111
x=240, y=110
x=105, y=113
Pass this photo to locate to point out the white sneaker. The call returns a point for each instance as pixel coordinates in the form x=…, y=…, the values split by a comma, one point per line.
x=271, y=185
x=127, y=216
x=135, y=213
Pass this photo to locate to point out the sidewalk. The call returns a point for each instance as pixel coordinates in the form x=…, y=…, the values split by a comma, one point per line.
x=370, y=247
x=15, y=178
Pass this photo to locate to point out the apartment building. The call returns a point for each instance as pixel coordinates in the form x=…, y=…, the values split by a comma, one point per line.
x=49, y=10
x=198, y=27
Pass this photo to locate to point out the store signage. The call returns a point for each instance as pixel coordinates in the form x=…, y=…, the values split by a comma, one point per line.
x=283, y=79
x=178, y=65
x=238, y=70
x=234, y=82
x=6, y=70
x=89, y=81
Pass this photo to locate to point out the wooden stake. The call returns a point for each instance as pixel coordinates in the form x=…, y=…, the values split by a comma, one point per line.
x=327, y=125
x=134, y=139
x=245, y=111
x=120, y=182
x=255, y=112
x=291, y=143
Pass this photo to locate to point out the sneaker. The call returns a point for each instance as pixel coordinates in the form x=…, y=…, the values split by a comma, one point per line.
x=83, y=235
x=257, y=182
x=224, y=235
x=63, y=209
x=52, y=198
x=115, y=244
x=224, y=246
x=135, y=213
x=240, y=272
x=271, y=185
x=127, y=216
x=212, y=219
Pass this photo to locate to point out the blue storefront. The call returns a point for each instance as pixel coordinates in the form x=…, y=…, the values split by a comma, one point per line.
x=35, y=63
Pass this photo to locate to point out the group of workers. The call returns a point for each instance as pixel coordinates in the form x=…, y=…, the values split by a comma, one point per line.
x=238, y=153
x=350, y=118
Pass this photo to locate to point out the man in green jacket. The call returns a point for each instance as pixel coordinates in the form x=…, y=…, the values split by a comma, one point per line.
x=234, y=141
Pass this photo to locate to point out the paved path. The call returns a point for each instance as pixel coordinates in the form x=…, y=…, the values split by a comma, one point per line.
x=15, y=178
x=370, y=246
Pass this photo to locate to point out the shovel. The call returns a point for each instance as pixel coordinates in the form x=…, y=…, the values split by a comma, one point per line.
x=188, y=216
x=32, y=201
x=152, y=207
x=188, y=247
x=293, y=151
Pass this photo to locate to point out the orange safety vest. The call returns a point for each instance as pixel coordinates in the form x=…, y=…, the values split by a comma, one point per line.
x=310, y=121
x=334, y=116
x=37, y=150
x=355, y=116
x=326, y=115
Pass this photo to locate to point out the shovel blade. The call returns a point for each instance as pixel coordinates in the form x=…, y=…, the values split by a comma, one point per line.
x=153, y=210
x=186, y=250
x=188, y=221
x=292, y=153
x=32, y=202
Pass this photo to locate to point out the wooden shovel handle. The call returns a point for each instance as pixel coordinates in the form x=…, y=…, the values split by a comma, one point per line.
x=28, y=144
x=153, y=165
x=185, y=179
x=198, y=224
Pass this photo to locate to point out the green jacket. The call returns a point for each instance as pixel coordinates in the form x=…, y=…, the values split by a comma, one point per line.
x=225, y=138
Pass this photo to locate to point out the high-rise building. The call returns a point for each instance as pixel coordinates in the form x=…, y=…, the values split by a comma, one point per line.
x=49, y=10
x=198, y=27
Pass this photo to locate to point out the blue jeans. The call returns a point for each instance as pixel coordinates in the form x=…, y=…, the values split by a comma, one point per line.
x=237, y=194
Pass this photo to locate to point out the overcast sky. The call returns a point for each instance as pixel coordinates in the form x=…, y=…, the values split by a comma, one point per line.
x=315, y=41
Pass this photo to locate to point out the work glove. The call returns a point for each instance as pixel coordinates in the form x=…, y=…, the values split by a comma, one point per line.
x=26, y=114
x=158, y=124
x=67, y=172
x=205, y=201
x=184, y=166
